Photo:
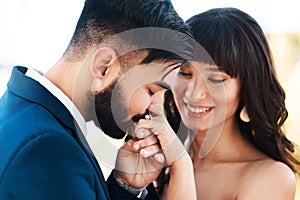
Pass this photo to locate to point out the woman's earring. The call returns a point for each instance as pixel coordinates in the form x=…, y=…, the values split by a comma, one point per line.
x=244, y=115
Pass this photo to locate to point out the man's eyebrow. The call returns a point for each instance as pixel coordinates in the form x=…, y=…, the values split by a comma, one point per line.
x=184, y=63
x=170, y=65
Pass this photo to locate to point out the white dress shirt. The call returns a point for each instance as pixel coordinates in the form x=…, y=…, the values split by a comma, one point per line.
x=61, y=97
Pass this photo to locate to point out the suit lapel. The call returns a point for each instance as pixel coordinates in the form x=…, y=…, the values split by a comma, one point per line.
x=27, y=88
x=82, y=141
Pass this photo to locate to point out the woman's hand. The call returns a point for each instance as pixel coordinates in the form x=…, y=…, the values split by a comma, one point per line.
x=139, y=162
x=182, y=182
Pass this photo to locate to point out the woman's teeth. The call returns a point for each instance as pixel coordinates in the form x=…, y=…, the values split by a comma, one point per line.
x=198, y=109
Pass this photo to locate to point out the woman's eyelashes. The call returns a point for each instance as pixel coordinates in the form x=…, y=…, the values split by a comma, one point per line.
x=216, y=80
x=211, y=78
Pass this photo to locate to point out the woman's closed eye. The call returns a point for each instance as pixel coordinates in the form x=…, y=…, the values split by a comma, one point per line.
x=216, y=80
x=217, y=77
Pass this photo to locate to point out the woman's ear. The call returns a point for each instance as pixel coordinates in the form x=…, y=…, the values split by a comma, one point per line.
x=102, y=59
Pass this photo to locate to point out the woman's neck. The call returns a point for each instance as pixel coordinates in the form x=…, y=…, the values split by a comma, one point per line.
x=228, y=145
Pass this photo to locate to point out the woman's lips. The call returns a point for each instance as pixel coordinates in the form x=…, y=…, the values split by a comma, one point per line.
x=198, y=111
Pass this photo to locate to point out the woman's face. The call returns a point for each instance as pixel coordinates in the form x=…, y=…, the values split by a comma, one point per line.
x=206, y=96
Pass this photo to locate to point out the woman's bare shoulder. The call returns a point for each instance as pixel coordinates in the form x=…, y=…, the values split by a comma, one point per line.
x=267, y=168
x=268, y=179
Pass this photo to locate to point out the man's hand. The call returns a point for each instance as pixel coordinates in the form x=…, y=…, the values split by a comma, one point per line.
x=139, y=162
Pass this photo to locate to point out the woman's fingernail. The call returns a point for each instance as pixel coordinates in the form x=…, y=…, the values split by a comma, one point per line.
x=159, y=158
x=141, y=134
x=136, y=147
x=144, y=152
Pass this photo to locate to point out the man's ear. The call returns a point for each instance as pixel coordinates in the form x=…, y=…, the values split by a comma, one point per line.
x=104, y=67
x=102, y=60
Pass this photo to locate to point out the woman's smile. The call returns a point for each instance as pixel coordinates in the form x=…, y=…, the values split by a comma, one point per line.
x=198, y=111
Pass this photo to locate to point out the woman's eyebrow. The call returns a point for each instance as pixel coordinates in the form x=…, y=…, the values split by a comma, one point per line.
x=216, y=69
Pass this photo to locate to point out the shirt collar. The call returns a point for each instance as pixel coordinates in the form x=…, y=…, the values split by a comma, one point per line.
x=61, y=97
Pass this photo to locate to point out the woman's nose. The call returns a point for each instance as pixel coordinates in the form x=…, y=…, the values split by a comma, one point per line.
x=197, y=90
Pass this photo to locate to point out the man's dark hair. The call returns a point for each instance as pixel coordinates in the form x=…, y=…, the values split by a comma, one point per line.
x=102, y=19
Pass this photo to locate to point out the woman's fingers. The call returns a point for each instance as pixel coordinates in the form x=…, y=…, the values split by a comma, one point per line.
x=155, y=125
x=142, y=132
x=148, y=141
x=149, y=151
x=159, y=157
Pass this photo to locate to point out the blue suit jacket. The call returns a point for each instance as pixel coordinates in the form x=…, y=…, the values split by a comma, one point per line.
x=42, y=154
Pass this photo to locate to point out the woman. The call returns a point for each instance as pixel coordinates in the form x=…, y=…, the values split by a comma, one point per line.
x=236, y=105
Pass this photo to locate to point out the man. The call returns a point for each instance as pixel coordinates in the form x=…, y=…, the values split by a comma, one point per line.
x=43, y=150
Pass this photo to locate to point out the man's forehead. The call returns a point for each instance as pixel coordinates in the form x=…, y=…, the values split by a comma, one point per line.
x=142, y=75
x=148, y=73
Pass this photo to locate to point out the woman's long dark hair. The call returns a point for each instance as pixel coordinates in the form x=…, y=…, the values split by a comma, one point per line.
x=235, y=41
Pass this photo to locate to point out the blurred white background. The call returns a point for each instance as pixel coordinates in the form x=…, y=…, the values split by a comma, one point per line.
x=35, y=33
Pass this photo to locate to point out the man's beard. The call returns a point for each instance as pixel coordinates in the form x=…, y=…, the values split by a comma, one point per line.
x=110, y=114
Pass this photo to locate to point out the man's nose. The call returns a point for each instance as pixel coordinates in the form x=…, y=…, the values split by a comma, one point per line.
x=158, y=97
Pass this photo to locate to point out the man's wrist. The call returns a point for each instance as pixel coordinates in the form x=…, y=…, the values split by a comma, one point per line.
x=138, y=192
